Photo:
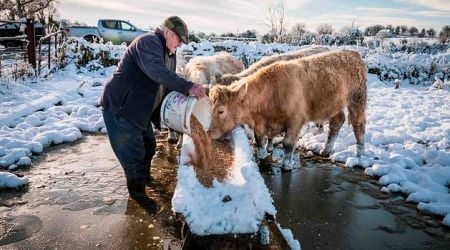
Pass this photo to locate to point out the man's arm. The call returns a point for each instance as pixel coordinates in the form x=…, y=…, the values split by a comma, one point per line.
x=151, y=62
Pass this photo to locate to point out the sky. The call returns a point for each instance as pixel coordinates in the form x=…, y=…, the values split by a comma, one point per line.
x=220, y=16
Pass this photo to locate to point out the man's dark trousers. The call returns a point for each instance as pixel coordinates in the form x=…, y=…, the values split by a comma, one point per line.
x=133, y=147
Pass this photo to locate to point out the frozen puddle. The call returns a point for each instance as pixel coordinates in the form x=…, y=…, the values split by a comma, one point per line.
x=238, y=205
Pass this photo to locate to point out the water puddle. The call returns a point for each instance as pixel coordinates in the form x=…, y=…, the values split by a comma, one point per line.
x=333, y=207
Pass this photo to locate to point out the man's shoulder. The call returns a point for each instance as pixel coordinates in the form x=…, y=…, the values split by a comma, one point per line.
x=148, y=39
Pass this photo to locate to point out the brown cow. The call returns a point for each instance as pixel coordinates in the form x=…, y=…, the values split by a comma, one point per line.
x=263, y=144
x=207, y=69
x=227, y=79
x=283, y=96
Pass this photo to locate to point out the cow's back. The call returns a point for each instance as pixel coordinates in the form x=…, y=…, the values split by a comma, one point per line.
x=298, y=54
x=227, y=63
x=330, y=80
x=314, y=87
x=202, y=68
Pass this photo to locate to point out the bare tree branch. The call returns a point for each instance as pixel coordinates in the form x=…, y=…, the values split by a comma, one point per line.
x=276, y=21
x=16, y=9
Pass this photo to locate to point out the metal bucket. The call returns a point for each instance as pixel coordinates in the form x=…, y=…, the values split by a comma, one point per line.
x=176, y=111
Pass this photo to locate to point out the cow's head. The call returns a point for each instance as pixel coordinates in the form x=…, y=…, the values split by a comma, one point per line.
x=225, y=110
x=198, y=74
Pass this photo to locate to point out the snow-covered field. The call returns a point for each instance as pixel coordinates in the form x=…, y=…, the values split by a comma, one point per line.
x=407, y=134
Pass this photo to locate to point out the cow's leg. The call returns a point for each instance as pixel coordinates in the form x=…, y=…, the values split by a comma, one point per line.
x=269, y=144
x=261, y=143
x=180, y=140
x=357, y=118
x=291, y=137
x=319, y=126
x=250, y=133
x=172, y=136
x=334, y=127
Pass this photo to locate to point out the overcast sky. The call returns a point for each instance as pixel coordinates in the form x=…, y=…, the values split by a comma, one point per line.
x=220, y=16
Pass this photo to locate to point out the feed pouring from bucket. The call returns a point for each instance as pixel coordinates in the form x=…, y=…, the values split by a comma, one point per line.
x=211, y=159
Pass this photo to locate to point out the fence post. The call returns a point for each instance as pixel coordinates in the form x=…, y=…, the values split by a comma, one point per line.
x=56, y=45
x=40, y=59
x=49, y=51
x=31, y=47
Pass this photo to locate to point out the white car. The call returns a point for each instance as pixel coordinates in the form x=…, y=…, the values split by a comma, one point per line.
x=116, y=31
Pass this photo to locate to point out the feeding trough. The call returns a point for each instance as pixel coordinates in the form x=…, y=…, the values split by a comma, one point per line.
x=238, y=208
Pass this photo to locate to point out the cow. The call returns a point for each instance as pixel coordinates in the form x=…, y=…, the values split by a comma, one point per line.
x=265, y=143
x=207, y=69
x=227, y=79
x=283, y=96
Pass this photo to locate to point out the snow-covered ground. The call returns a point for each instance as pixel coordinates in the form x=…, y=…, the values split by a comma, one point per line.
x=407, y=134
x=238, y=205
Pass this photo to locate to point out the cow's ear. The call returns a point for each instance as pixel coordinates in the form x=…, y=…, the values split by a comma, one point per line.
x=241, y=92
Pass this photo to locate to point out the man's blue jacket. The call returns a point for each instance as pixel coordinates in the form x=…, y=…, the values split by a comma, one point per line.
x=132, y=90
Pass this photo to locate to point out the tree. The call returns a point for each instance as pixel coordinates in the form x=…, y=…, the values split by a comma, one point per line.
x=267, y=38
x=444, y=35
x=324, y=29
x=351, y=34
x=248, y=34
x=201, y=35
x=373, y=30
x=296, y=34
x=298, y=30
x=16, y=9
x=43, y=11
x=413, y=31
x=49, y=17
x=276, y=21
x=193, y=38
x=228, y=34
x=403, y=30
x=390, y=27
x=422, y=33
x=397, y=30
x=431, y=32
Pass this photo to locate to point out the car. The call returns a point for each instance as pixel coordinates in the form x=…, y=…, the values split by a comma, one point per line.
x=114, y=30
x=15, y=28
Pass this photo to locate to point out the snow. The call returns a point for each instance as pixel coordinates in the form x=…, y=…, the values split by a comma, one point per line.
x=8, y=180
x=36, y=115
x=204, y=208
x=407, y=133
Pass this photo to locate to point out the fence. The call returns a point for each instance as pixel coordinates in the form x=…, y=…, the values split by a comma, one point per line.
x=12, y=53
x=58, y=40
x=25, y=54
x=226, y=38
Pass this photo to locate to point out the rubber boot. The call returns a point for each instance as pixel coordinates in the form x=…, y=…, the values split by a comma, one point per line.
x=136, y=189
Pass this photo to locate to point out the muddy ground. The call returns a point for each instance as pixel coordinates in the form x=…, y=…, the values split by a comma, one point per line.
x=77, y=199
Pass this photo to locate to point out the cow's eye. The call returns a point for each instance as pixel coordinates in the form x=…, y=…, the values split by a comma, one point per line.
x=220, y=112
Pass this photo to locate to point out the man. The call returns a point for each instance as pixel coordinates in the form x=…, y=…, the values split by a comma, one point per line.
x=133, y=95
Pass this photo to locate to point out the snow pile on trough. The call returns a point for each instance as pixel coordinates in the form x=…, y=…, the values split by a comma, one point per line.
x=238, y=205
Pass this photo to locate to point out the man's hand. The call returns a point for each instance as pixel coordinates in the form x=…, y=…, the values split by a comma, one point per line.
x=198, y=91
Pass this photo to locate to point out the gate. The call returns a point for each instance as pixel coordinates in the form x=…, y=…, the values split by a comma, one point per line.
x=19, y=51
